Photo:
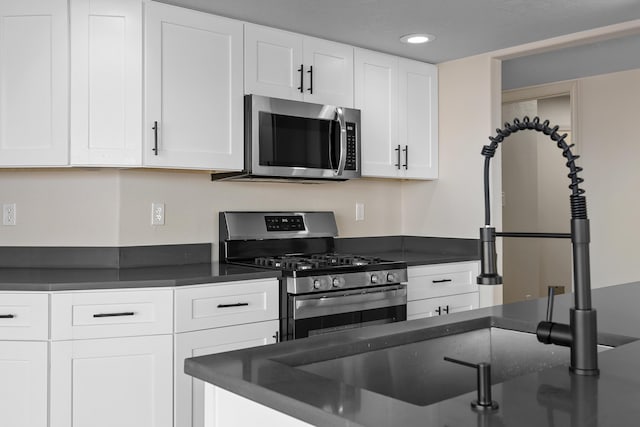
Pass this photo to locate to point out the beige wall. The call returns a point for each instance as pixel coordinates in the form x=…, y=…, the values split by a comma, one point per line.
x=61, y=207
x=610, y=148
x=104, y=207
x=193, y=202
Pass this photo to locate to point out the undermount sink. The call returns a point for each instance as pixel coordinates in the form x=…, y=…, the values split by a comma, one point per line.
x=415, y=372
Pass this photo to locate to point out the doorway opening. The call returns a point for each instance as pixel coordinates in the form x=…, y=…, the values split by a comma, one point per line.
x=535, y=193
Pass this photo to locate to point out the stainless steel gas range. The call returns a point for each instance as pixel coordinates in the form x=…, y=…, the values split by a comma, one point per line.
x=321, y=291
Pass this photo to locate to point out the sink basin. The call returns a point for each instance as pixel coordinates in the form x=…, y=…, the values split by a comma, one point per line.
x=415, y=372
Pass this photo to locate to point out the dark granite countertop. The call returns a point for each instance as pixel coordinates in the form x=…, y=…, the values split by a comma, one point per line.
x=414, y=250
x=64, y=279
x=552, y=397
x=60, y=269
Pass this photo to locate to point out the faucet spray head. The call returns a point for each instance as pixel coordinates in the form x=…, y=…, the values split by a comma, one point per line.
x=488, y=258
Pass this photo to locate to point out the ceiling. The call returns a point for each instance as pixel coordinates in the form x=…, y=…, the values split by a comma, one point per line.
x=462, y=27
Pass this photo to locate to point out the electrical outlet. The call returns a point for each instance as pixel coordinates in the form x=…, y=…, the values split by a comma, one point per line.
x=359, y=211
x=157, y=213
x=9, y=214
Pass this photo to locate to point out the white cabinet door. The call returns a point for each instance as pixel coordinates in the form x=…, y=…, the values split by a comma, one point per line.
x=398, y=99
x=106, y=82
x=441, y=306
x=194, y=98
x=329, y=72
x=287, y=65
x=125, y=382
x=34, y=83
x=376, y=95
x=189, y=395
x=418, y=119
x=23, y=388
x=273, y=63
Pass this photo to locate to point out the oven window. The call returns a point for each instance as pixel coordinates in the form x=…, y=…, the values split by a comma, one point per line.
x=338, y=322
x=291, y=141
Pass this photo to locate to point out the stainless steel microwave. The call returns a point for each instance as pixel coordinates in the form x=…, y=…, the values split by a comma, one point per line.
x=292, y=139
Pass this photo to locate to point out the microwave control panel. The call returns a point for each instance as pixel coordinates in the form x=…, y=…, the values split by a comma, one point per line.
x=350, y=164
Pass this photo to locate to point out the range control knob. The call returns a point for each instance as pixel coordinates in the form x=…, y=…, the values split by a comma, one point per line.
x=335, y=282
x=316, y=284
x=391, y=278
x=374, y=278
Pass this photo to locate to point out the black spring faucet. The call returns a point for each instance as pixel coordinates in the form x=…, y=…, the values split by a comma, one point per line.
x=581, y=333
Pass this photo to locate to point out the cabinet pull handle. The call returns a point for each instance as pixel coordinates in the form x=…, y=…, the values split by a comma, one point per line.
x=439, y=311
x=441, y=281
x=276, y=336
x=301, y=71
x=446, y=309
x=124, y=313
x=310, y=79
x=397, y=165
x=406, y=157
x=7, y=316
x=238, y=304
x=155, y=138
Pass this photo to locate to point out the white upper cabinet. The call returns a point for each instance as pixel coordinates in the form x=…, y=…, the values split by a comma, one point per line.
x=376, y=95
x=418, y=119
x=286, y=65
x=398, y=100
x=273, y=63
x=34, y=83
x=106, y=82
x=194, y=99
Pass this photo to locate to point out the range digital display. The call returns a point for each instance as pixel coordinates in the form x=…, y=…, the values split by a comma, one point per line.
x=285, y=223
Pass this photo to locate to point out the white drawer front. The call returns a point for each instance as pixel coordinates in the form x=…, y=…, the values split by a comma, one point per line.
x=217, y=305
x=99, y=314
x=442, y=279
x=442, y=306
x=24, y=316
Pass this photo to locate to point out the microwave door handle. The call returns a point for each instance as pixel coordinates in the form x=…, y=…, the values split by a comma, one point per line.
x=343, y=142
x=331, y=144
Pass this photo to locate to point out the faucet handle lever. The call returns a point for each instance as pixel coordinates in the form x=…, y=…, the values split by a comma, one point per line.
x=551, y=293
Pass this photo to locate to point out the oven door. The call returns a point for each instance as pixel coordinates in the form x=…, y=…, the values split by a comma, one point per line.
x=302, y=140
x=321, y=313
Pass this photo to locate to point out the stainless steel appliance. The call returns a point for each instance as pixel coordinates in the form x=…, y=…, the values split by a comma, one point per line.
x=301, y=140
x=321, y=291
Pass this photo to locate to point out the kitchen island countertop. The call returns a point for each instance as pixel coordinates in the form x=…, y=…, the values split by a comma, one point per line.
x=551, y=397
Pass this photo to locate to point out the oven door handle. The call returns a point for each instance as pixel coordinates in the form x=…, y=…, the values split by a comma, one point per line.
x=343, y=142
x=314, y=305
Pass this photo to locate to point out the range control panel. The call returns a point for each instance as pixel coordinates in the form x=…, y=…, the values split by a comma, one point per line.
x=285, y=223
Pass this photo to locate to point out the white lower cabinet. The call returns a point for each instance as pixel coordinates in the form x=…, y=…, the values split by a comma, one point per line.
x=23, y=384
x=233, y=410
x=213, y=318
x=440, y=306
x=439, y=289
x=189, y=392
x=125, y=382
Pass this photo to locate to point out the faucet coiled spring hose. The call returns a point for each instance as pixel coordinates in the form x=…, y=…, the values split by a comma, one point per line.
x=577, y=198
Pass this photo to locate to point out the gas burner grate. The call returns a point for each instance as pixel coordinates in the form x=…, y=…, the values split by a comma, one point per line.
x=315, y=261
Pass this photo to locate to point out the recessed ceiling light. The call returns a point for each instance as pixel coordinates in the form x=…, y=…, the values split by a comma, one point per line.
x=417, y=38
